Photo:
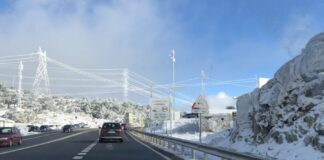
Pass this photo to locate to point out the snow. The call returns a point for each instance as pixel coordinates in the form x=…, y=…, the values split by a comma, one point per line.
x=189, y=128
x=296, y=151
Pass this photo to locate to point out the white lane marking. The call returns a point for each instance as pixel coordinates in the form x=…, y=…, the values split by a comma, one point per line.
x=77, y=157
x=86, y=150
x=39, y=136
x=82, y=154
x=160, y=154
x=44, y=143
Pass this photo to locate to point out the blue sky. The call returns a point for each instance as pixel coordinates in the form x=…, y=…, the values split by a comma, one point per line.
x=228, y=39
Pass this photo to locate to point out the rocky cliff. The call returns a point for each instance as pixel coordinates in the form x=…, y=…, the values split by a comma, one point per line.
x=290, y=107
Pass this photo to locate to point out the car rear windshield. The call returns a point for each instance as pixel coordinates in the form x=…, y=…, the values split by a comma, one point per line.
x=111, y=125
x=5, y=130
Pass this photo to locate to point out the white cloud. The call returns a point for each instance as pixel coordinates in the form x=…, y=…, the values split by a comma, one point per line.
x=109, y=34
x=88, y=34
x=297, y=32
x=219, y=102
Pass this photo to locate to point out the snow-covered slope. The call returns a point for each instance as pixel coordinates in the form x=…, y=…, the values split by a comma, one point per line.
x=54, y=110
x=286, y=116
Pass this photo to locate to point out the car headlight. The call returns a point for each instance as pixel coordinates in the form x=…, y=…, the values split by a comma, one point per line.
x=4, y=138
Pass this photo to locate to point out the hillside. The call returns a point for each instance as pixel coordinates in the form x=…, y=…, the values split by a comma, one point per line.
x=39, y=109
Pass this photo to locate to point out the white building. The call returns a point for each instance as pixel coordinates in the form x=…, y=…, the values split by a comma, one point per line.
x=6, y=122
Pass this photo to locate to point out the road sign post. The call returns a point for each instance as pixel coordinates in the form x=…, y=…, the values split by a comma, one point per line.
x=201, y=108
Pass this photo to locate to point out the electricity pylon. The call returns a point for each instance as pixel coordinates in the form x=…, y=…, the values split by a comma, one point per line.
x=41, y=74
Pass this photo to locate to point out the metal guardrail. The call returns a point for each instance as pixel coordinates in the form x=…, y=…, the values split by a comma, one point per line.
x=221, y=152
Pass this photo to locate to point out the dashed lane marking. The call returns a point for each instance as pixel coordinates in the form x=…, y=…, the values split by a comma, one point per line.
x=86, y=150
x=82, y=154
x=77, y=157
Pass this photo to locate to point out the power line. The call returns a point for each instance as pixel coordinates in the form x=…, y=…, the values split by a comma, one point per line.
x=88, y=93
x=21, y=55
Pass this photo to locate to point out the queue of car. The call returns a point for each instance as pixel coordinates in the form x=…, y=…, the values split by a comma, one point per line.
x=10, y=136
x=42, y=128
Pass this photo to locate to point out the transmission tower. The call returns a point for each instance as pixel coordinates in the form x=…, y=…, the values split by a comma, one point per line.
x=20, y=77
x=125, y=84
x=41, y=74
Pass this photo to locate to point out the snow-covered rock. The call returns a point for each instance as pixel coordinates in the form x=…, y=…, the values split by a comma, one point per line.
x=289, y=109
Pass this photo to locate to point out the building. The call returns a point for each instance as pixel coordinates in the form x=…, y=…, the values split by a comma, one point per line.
x=135, y=119
x=6, y=122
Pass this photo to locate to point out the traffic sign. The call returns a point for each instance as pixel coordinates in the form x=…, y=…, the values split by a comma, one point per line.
x=160, y=109
x=200, y=105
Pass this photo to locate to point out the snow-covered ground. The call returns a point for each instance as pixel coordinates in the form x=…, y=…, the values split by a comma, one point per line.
x=189, y=128
x=291, y=151
x=296, y=150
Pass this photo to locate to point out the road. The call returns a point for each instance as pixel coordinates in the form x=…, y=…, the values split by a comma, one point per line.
x=82, y=144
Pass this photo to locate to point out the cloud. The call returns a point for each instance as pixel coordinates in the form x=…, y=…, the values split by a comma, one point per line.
x=297, y=32
x=90, y=34
x=219, y=102
x=109, y=34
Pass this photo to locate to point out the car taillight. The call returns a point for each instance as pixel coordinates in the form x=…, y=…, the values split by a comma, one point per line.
x=4, y=138
x=103, y=131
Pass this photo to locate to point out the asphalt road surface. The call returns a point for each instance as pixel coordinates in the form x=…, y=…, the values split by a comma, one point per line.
x=82, y=144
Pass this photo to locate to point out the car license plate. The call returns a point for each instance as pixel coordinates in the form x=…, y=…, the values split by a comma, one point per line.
x=111, y=132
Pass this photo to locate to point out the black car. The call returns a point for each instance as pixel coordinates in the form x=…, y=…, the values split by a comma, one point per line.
x=33, y=128
x=44, y=128
x=67, y=128
x=110, y=131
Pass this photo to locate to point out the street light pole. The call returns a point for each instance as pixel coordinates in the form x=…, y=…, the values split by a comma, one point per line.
x=173, y=90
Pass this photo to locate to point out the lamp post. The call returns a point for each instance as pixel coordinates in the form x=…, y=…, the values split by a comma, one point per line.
x=172, y=56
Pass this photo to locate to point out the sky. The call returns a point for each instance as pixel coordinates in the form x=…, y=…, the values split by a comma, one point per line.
x=228, y=39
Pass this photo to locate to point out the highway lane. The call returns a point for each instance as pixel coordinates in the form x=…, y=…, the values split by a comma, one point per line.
x=80, y=145
x=40, y=147
x=33, y=139
x=129, y=149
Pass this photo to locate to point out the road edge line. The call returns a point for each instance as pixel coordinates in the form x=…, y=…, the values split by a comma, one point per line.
x=155, y=151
